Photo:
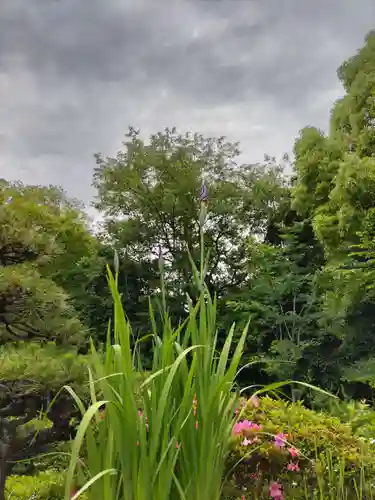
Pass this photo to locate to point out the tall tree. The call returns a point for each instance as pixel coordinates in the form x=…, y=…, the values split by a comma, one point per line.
x=336, y=188
x=149, y=195
x=39, y=329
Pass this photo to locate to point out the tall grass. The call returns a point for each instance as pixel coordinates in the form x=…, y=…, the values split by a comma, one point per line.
x=176, y=447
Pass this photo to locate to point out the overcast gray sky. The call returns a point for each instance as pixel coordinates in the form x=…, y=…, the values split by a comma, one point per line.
x=75, y=73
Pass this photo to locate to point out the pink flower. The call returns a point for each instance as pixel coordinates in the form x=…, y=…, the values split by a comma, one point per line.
x=293, y=467
x=254, y=475
x=246, y=442
x=241, y=426
x=293, y=452
x=196, y=424
x=280, y=440
x=177, y=446
x=276, y=491
x=245, y=425
x=255, y=401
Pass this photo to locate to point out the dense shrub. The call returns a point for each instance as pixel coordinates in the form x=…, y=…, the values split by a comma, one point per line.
x=285, y=442
x=44, y=486
x=48, y=485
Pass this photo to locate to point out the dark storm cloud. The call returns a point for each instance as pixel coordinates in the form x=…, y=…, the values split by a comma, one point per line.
x=75, y=73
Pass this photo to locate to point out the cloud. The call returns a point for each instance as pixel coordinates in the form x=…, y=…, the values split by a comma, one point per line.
x=75, y=73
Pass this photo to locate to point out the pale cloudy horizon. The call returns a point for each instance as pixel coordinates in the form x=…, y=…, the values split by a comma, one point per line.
x=74, y=74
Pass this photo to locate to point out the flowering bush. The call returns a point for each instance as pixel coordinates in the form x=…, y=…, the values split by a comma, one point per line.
x=276, y=444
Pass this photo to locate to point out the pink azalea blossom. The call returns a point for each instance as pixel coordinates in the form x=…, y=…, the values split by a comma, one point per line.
x=255, y=401
x=280, y=440
x=293, y=467
x=241, y=426
x=245, y=425
x=246, y=442
x=293, y=452
x=276, y=491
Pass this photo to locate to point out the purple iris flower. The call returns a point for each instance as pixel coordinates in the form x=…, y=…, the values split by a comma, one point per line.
x=10, y=198
x=204, y=192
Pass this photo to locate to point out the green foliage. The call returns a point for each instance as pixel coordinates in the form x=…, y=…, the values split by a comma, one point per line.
x=44, y=486
x=39, y=368
x=35, y=307
x=335, y=188
x=282, y=301
x=41, y=231
x=43, y=234
x=149, y=196
x=43, y=223
x=358, y=414
x=92, y=299
x=316, y=163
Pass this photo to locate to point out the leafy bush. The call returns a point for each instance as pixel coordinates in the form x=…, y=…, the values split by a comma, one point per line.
x=281, y=441
x=359, y=415
x=47, y=485
x=44, y=486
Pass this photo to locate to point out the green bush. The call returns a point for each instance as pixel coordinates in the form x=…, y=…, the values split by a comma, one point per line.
x=47, y=485
x=313, y=442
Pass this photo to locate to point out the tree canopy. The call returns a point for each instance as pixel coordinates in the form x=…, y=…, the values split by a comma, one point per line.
x=149, y=195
